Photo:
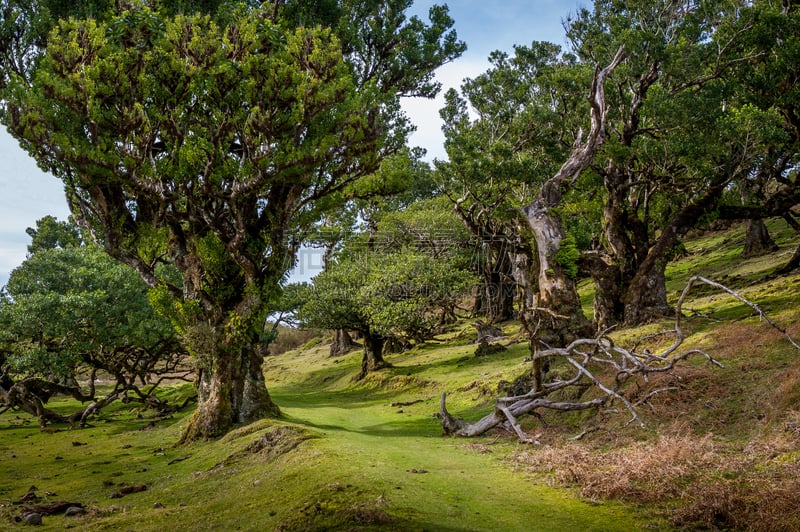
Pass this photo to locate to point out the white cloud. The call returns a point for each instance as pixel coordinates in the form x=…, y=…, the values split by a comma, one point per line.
x=26, y=195
x=424, y=113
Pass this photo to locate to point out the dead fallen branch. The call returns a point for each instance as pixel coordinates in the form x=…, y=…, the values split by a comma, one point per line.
x=761, y=313
x=601, y=364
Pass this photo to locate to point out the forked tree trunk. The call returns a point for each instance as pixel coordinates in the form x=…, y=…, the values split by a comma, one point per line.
x=646, y=295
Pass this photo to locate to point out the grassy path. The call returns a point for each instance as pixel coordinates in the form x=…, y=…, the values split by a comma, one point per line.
x=430, y=482
x=361, y=464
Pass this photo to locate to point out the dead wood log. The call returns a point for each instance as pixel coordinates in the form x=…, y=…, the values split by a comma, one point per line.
x=52, y=508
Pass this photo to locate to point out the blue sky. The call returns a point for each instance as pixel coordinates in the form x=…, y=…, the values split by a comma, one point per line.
x=27, y=194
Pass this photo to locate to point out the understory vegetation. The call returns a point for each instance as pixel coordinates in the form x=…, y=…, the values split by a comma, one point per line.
x=720, y=449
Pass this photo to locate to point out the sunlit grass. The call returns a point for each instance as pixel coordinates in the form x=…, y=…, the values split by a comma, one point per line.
x=370, y=455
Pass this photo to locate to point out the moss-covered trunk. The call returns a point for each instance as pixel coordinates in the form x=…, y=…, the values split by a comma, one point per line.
x=230, y=382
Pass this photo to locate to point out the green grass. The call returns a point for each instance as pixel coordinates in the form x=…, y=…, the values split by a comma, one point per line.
x=370, y=455
x=361, y=463
x=359, y=466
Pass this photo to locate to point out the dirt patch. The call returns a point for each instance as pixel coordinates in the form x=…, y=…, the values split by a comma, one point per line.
x=278, y=441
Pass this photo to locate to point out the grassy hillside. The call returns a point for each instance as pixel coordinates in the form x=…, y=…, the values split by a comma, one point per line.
x=721, y=451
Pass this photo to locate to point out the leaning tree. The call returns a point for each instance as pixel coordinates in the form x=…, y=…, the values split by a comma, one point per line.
x=504, y=130
x=512, y=165
x=211, y=145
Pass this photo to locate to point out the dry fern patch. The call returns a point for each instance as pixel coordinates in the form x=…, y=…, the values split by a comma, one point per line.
x=694, y=481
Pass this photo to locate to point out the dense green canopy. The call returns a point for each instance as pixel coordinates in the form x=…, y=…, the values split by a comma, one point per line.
x=209, y=144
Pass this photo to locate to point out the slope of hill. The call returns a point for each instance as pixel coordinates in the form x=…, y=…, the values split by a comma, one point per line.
x=720, y=449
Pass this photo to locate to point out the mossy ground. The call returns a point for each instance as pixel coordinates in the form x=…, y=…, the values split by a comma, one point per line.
x=370, y=455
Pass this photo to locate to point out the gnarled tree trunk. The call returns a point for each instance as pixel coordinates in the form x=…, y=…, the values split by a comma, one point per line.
x=646, y=295
x=498, y=287
x=563, y=319
x=256, y=402
x=231, y=391
x=608, y=289
x=230, y=383
x=559, y=317
x=342, y=343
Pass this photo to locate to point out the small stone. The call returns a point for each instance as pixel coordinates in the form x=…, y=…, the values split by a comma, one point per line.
x=32, y=519
x=157, y=505
x=74, y=510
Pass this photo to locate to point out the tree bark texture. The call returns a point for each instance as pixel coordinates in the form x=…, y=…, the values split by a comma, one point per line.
x=608, y=289
x=230, y=384
x=373, y=355
x=646, y=294
x=757, y=240
x=342, y=343
x=557, y=293
x=495, y=297
x=498, y=289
